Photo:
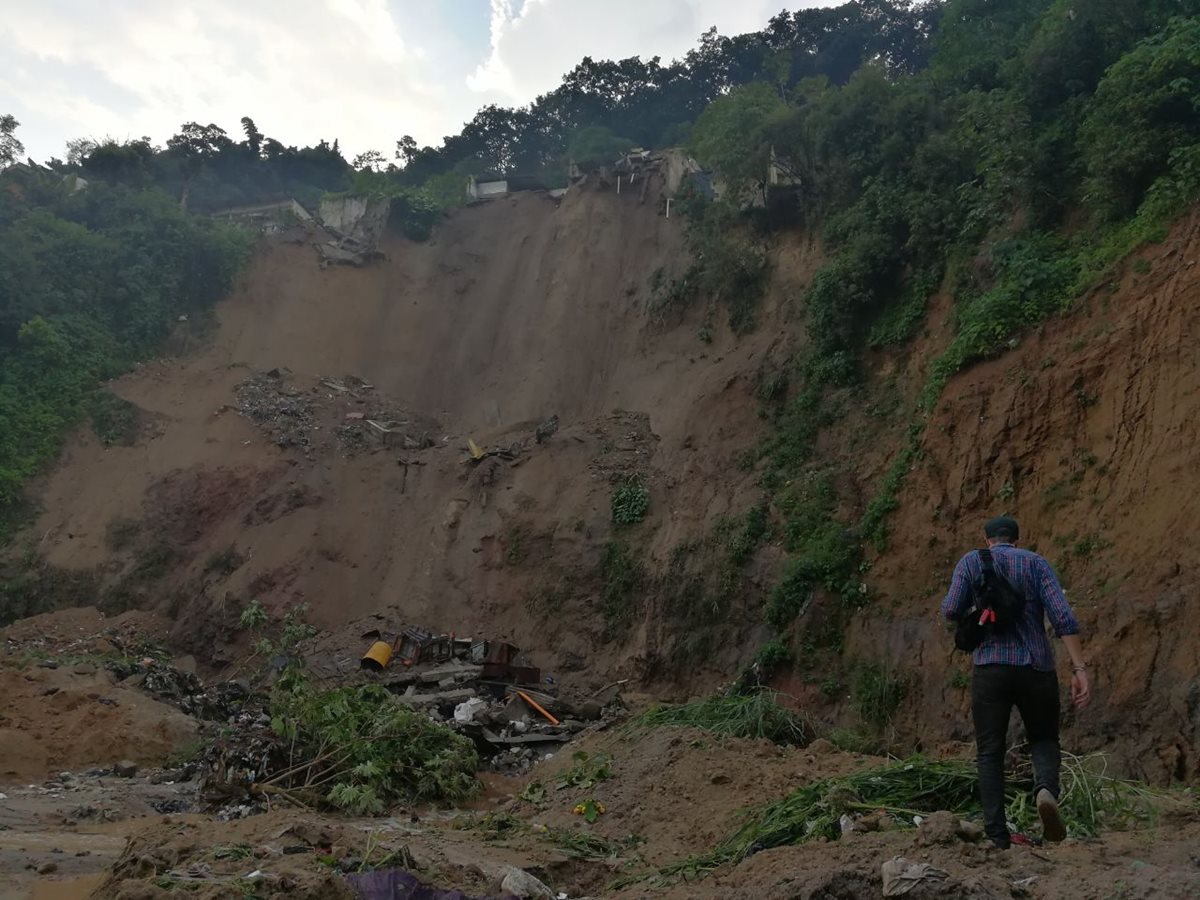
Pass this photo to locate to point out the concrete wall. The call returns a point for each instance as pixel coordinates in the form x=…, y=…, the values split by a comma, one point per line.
x=481, y=190
x=356, y=217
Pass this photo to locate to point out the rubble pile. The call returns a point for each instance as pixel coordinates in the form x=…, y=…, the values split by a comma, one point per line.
x=235, y=763
x=488, y=691
x=288, y=415
x=344, y=412
x=215, y=703
x=626, y=443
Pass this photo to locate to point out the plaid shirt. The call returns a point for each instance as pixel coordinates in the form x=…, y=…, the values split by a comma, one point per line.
x=1032, y=576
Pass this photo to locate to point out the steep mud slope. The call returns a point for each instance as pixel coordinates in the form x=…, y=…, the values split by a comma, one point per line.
x=519, y=310
x=525, y=326
x=1087, y=432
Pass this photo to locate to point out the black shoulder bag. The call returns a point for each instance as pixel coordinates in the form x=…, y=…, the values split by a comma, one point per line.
x=998, y=607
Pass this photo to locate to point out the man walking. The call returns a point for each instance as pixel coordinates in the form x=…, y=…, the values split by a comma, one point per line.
x=1015, y=667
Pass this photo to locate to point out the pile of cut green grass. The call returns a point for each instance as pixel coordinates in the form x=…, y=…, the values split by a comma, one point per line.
x=754, y=715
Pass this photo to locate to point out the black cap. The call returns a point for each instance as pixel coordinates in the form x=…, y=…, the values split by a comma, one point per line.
x=1002, y=528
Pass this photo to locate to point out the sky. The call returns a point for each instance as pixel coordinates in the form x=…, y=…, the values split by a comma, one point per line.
x=365, y=72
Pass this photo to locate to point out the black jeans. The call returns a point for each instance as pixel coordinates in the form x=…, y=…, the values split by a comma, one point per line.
x=995, y=690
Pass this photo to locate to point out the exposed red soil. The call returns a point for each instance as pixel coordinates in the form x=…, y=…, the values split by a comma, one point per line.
x=520, y=309
x=1086, y=432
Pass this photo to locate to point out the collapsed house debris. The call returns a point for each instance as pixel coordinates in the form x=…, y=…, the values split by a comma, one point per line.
x=353, y=226
x=218, y=702
x=487, y=691
x=346, y=412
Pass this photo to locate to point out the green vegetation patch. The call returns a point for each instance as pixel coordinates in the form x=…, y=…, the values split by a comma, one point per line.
x=1091, y=802
x=622, y=576
x=756, y=715
x=630, y=501
x=367, y=751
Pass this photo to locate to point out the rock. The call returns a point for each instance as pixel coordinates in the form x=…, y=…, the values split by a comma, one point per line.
x=590, y=710
x=125, y=769
x=821, y=746
x=47, y=868
x=871, y=822
x=970, y=831
x=939, y=828
x=521, y=884
x=84, y=669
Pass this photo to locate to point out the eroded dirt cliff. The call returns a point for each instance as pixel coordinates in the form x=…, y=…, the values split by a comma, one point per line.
x=524, y=309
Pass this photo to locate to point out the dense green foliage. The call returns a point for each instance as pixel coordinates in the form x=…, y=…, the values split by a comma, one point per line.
x=1027, y=149
x=208, y=170
x=368, y=752
x=90, y=282
x=630, y=501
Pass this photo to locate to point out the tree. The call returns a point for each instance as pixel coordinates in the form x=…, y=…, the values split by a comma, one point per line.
x=130, y=163
x=731, y=135
x=196, y=141
x=596, y=145
x=254, y=137
x=1147, y=106
x=80, y=149
x=10, y=147
x=370, y=161
x=406, y=149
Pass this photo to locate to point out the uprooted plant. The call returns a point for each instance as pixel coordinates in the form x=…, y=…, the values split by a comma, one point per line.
x=359, y=749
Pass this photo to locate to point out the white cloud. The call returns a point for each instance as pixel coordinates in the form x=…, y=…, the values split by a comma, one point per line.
x=364, y=71
x=303, y=69
x=534, y=45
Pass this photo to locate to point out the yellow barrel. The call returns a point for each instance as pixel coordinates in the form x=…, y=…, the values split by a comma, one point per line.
x=378, y=656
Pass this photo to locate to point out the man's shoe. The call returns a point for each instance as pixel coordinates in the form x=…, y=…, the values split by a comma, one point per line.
x=1053, y=827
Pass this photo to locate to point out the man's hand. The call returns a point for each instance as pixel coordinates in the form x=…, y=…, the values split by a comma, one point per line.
x=1081, y=689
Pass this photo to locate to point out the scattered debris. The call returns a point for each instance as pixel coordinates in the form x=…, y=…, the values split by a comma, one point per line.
x=216, y=703
x=465, y=711
x=347, y=412
x=537, y=707
x=901, y=877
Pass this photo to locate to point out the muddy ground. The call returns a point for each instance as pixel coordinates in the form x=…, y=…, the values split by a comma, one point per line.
x=76, y=823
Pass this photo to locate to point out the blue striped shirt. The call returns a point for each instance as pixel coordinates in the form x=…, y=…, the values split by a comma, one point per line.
x=1027, y=644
